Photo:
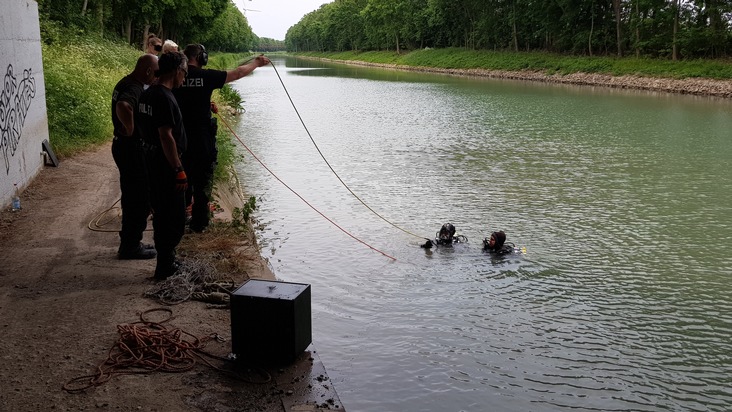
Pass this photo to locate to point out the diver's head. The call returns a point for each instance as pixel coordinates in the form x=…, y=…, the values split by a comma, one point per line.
x=497, y=240
x=447, y=231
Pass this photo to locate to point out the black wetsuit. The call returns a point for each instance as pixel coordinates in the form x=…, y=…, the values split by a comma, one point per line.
x=503, y=250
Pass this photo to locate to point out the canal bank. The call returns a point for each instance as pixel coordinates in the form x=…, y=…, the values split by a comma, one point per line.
x=692, y=86
x=64, y=296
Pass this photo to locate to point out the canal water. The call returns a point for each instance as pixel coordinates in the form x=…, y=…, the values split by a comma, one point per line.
x=622, y=200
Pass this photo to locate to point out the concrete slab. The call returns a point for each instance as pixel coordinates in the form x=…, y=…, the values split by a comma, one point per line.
x=305, y=386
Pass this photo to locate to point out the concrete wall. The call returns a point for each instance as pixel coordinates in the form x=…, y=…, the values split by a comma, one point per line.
x=23, y=120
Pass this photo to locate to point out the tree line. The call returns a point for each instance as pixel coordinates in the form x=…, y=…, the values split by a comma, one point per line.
x=218, y=24
x=671, y=29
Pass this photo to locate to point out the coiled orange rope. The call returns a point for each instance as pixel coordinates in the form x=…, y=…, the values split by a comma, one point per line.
x=145, y=347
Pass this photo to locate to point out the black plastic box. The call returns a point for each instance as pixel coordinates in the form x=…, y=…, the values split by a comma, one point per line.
x=270, y=322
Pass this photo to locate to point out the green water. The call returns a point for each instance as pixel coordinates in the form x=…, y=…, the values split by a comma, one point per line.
x=622, y=199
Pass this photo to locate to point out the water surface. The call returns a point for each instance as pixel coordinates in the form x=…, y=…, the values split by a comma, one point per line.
x=622, y=200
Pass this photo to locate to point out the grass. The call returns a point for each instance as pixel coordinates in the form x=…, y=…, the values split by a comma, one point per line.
x=80, y=76
x=543, y=62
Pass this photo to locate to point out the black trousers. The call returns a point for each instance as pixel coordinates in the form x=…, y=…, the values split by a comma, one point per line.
x=199, y=163
x=133, y=182
x=200, y=183
x=169, y=208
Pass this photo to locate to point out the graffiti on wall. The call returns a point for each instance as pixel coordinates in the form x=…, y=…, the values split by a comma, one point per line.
x=15, y=99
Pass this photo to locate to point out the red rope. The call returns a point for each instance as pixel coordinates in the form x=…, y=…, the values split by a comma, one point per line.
x=145, y=347
x=297, y=194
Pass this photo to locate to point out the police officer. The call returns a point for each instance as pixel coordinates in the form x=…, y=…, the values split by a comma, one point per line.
x=194, y=98
x=130, y=160
x=162, y=128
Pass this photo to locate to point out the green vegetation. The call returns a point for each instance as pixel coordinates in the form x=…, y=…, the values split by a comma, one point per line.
x=217, y=23
x=267, y=45
x=240, y=216
x=229, y=31
x=80, y=74
x=540, y=61
x=226, y=61
x=227, y=149
x=232, y=98
x=669, y=29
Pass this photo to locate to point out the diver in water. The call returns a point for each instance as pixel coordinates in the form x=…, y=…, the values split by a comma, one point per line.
x=446, y=234
x=497, y=244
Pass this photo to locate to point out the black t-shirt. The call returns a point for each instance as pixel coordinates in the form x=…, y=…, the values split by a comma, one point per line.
x=158, y=108
x=194, y=97
x=127, y=90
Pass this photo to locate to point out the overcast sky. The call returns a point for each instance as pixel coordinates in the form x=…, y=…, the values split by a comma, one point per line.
x=272, y=18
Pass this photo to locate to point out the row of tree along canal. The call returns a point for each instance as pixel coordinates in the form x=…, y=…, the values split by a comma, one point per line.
x=644, y=28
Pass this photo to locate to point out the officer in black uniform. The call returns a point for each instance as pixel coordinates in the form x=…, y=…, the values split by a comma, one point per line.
x=130, y=160
x=194, y=98
x=162, y=129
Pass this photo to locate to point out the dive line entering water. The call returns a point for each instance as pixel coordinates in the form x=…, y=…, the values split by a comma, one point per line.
x=295, y=193
x=331, y=167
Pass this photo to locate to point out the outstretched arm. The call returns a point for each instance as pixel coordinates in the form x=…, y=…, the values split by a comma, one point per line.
x=245, y=69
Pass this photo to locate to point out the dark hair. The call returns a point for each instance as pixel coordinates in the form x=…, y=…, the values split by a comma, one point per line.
x=198, y=52
x=169, y=63
x=192, y=51
x=500, y=237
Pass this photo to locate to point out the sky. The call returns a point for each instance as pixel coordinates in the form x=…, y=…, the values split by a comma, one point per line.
x=272, y=18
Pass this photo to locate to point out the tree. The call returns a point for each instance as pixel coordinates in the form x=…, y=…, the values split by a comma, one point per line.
x=618, y=36
x=229, y=32
x=384, y=20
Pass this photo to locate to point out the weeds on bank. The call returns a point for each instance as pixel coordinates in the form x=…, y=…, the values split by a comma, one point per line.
x=232, y=98
x=240, y=216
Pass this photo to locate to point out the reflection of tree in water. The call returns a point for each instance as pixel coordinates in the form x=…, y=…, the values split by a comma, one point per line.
x=15, y=99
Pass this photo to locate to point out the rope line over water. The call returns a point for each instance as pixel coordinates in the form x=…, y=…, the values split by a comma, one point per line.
x=297, y=194
x=331, y=167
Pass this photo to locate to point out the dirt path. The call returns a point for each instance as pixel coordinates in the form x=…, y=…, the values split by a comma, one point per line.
x=63, y=292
